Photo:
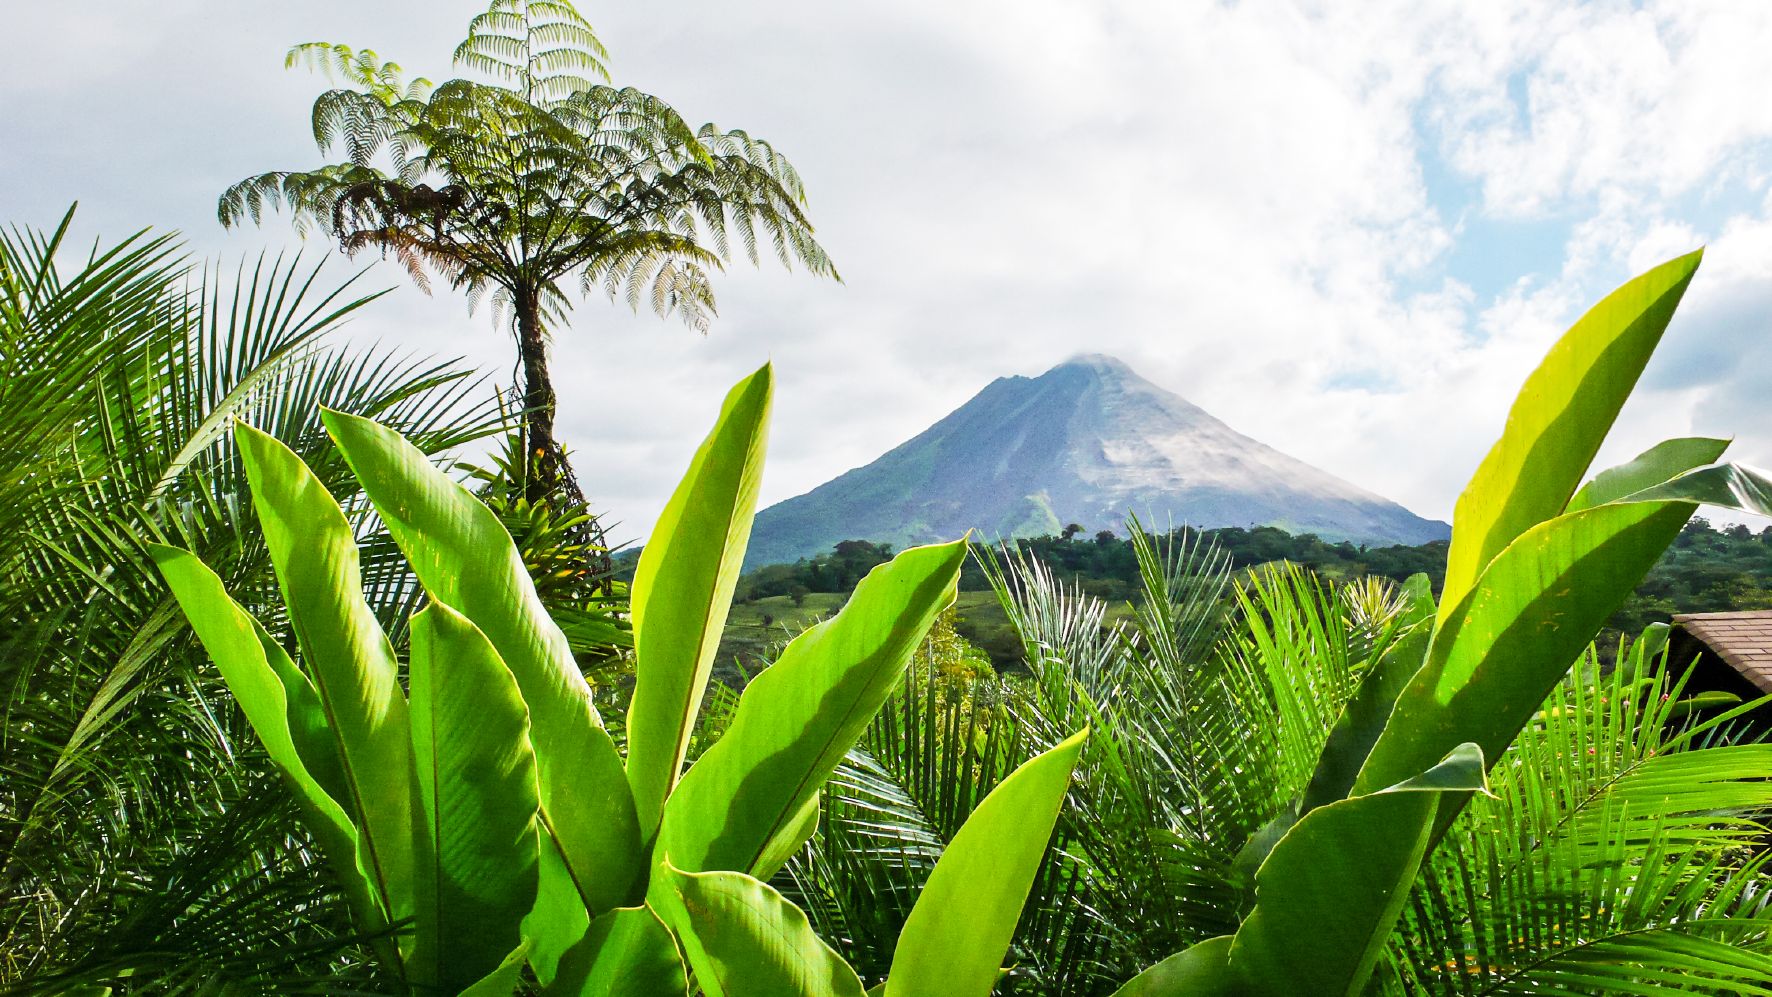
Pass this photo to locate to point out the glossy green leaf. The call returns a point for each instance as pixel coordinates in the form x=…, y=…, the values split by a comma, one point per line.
x=743, y=939
x=792, y=837
x=464, y=558
x=627, y=952
x=477, y=802
x=1364, y=717
x=285, y=713
x=797, y=719
x=504, y=979
x=1328, y=896
x=1648, y=469
x=559, y=918
x=1558, y=422
x=1735, y=487
x=682, y=591
x=1507, y=644
x=1197, y=971
x=344, y=651
x=954, y=941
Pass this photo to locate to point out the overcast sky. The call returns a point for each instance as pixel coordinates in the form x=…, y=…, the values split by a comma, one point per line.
x=1348, y=230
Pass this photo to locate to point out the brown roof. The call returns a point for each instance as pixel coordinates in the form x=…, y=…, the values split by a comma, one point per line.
x=1744, y=640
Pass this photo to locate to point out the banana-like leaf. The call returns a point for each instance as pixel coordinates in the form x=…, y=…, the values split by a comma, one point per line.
x=1328, y=896
x=792, y=837
x=1503, y=648
x=743, y=939
x=285, y=713
x=502, y=980
x=465, y=558
x=1736, y=487
x=1557, y=423
x=1653, y=466
x=682, y=591
x=559, y=918
x=1197, y=971
x=1363, y=719
x=627, y=952
x=477, y=802
x=1541, y=601
x=347, y=655
x=800, y=715
x=953, y=942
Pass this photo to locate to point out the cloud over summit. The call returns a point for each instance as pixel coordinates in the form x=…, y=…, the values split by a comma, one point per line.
x=1348, y=229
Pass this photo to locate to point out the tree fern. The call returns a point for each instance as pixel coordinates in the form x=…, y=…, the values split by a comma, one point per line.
x=533, y=172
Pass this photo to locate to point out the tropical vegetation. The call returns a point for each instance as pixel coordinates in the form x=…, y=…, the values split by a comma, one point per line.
x=309, y=682
x=143, y=831
x=532, y=171
x=1708, y=568
x=489, y=807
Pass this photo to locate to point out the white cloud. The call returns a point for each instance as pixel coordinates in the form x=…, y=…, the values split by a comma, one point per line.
x=1232, y=197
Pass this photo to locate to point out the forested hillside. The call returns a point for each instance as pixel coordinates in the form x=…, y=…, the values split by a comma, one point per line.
x=1708, y=569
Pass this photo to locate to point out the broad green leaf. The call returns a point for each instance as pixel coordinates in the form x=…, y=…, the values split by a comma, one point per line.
x=1557, y=423
x=285, y=713
x=1364, y=716
x=798, y=717
x=344, y=650
x=792, y=837
x=1513, y=637
x=743, y=939
x=1196, y=971
x=503, y=980
x=1327, y=898
x=477, y=831
x=559, y=919
x=682, y=591
x=465, y=558
x=1735, y=487
x=954, y=941
x=627, y=952
x=1648, y=469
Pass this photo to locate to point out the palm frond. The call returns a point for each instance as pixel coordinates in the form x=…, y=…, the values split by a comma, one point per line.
x=141, y=832
x=1624, y=853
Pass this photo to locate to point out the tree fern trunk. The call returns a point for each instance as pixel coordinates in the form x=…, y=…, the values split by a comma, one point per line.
x=546, y=473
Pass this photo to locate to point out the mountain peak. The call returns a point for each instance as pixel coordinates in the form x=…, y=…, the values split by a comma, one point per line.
x=1089, y=441
x=1100, y=362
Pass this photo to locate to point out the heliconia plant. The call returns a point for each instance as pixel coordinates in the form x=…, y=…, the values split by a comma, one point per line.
x=1537, y=562
x=481, y=818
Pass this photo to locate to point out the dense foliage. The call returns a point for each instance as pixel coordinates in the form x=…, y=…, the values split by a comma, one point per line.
x=485, y=825
x=143, y=831
x=292, y=703
x=1707, y=569
x=1106, y=565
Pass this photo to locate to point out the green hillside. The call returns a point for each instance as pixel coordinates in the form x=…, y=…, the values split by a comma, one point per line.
x=1708, y=569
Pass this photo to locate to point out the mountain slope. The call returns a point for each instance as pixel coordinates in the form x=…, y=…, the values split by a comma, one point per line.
x=1086, y=442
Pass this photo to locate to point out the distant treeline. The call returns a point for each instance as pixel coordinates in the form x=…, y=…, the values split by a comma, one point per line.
x=1706, y=570
x=1104, y=563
